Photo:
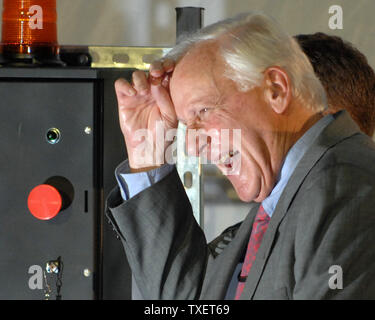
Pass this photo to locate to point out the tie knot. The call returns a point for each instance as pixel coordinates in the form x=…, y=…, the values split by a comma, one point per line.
x=261, y=215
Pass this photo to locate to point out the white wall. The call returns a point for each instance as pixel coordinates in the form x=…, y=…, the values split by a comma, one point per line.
x=152, y=22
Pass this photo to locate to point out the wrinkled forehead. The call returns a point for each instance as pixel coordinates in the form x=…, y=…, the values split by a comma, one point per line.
x=194, y=74
x=199, y=60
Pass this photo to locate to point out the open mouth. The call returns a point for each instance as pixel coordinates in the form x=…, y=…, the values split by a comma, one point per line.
x=227, y=159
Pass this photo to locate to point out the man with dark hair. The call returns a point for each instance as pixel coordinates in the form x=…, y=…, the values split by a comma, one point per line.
x=347, y=77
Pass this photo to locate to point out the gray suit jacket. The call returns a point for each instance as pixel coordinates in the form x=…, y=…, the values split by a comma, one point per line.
x=325, y=217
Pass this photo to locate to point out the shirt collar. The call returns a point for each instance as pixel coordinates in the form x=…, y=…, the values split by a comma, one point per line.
x=292, y=158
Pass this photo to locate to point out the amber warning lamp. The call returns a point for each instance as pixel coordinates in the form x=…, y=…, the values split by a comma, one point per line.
x=29, y=32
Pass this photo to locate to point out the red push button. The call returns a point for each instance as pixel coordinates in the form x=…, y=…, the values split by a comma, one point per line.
x=44, y=202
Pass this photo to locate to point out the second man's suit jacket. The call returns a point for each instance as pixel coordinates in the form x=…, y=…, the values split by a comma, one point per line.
x=322, y=231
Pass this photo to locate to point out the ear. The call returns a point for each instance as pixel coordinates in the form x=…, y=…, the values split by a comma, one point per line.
x=277, y=89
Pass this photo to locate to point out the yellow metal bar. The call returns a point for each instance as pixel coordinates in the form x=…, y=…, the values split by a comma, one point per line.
x=125, y=57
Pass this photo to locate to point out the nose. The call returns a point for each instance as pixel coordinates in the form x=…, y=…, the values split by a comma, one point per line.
x=202, y=143
x=191, y=142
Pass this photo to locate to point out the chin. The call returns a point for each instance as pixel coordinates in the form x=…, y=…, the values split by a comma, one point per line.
x=247, y=192
x=246, y=184
x=245, y=197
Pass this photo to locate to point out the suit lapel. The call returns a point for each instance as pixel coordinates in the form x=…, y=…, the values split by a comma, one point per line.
x=217, y=281
x=339, y=129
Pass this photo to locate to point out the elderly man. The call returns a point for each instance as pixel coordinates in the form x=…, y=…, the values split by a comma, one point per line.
x=349, y=82
x=311, y=234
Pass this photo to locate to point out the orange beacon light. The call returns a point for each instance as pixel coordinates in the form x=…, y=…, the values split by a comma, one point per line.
x=29, y=32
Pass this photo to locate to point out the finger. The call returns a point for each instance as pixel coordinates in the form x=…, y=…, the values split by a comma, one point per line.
x=124, y=88
x=168, y=65
x=166, y=107
x=156, y=69
x=155, y=81
x=165, y=82
x=159, y=68
x=140, y=82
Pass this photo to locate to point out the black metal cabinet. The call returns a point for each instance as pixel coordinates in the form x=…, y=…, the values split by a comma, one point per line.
x=77, y=105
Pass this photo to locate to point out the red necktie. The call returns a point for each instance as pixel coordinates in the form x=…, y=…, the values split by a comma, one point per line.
x=259, y=229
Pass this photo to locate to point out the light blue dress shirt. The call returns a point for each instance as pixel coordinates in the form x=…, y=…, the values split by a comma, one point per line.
x=294, y=155
x=133, y=183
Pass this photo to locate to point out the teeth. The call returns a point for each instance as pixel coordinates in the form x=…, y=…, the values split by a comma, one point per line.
x=228, y=158
x=225, y=160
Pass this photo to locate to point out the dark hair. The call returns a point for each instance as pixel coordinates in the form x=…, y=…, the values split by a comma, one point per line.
x=347, y=77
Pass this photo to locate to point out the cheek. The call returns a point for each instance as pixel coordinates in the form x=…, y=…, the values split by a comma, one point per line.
x=247, y=185
x=224, y=133
x=224, y=118
x=223, y=122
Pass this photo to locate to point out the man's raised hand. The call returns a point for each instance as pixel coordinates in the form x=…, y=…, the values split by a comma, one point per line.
x=141, y=105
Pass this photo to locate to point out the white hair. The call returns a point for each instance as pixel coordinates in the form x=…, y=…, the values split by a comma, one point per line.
x=252, y=42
